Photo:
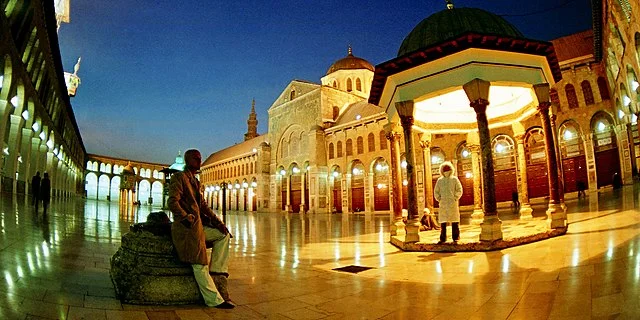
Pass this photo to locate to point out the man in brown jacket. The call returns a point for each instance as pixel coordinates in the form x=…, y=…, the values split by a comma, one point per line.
x=193, y=224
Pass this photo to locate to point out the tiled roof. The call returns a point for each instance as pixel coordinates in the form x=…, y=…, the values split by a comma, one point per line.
x=235, y=150
x=362, y=108
x=573, y=46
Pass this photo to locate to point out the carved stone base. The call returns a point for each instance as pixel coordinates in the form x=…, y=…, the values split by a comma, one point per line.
x=413, y=231
x=557, y=216
x=477, y=216
x=491, y=229
x=525, y=212
x=397, y=228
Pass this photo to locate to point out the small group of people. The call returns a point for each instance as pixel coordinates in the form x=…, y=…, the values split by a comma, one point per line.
x=41, y=191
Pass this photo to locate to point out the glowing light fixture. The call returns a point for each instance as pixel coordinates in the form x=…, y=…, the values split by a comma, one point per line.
x=15, y=101
x=335, y=174
x=35, y=127
x=405, y=182
x=308, y=168
x=634, y=118
x=1, y=80
x=568, y=135
x=55, y=151
x=42, y=136
x=358, y=117
x=465, y=153
x=499, y=148
x=217, y=188
x=237, y=186
x=50, y=144
x=245, y=185
x=403, y=164
x=282, y=172
x=25, y=114
x=254, y=150
x=6, y=150
x=379, y=167
x=381, y=185
x=254, y=184
x=634, y=85
x=20, y=159
x=296, y=170
x=468, y=175
x=356, y=171
x=601, y=126
x=626, y=101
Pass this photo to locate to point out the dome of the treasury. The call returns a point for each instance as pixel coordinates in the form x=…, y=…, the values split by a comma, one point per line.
x=350, y=62
x=450, y=23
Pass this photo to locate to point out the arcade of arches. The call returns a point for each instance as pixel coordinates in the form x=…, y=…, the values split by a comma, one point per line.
x=39, y=131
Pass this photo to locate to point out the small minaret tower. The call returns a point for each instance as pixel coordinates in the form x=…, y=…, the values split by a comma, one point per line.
x=252, y=123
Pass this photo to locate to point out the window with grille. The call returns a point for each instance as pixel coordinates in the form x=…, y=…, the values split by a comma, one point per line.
x=586, y=91
x=572, y=98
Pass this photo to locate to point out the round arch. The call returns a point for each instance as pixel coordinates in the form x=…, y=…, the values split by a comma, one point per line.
x=144, y=191
x=504, y=164
x=336, y=187
x=574, y=162
x=358, y=176
x=605, y=148
x=464, y=172
x=536, y=159
x=104, y=184
x=91, y=185
x=381, y=185
x=156, y=193
x=115, y=188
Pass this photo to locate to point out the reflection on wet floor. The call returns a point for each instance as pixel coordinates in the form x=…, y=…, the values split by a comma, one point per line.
x=58, y=266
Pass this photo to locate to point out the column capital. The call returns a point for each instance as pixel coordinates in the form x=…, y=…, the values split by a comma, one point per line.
x=519, y=137
x=543, y=107
x=425, y=144
x=480, y=105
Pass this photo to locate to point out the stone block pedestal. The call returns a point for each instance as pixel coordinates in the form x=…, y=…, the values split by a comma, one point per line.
x=491, y=229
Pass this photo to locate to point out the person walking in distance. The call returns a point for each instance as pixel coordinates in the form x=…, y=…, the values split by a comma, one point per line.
x=447, y=192
x=45, y=192
x=35, y=190
x=194, y=224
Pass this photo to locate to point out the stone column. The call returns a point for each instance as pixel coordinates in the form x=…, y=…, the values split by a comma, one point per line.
x=554, y=131
x=428, y=184
x=405, y=111
x=556, y=214
x=477, y=91
x=369, y=202
x=303, y=182
x=397, y=225
x=287, y=206
x=478, y=215
x=523, y=187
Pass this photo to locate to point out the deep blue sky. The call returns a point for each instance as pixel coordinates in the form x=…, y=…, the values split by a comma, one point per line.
x=162, y=76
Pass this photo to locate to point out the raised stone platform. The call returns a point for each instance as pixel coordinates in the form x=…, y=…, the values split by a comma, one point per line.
x=515, y=233
x=146, y=270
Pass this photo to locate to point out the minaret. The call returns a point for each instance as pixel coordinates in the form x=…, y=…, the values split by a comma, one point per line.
x=252, y=123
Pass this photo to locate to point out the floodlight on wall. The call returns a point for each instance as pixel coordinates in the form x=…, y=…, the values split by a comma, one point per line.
x=381, y=185
x=1, y=80
x=217, y=188
x=20, y=159
x=245, y=185
x=380, y=167
x=403, y=164
x=35, y=127
x=5, y=150
x=296, y=170
x=15, y=101
x=61, y=155
x=356, y=171
x=254, y=184
x=601, y=126
x=308, y=167
x=254, y=150
x=42, y=136
x=55, y=151
x=634, y=118
x=282, y=172
x=405, y=182
x=626, y=101
x=335, y=174
x=358, y=117
x=468, y=175
x=634, y=85
x=620, y=114
x=25, y=114
x=50, y=144
x=568, y=135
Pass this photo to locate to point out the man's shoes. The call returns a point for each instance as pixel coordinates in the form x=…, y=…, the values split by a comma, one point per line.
x=226, y=305
x=441, y=242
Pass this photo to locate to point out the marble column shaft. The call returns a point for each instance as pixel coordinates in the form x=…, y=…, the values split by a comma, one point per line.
x=477, y=177
x=428, y=183
x=407, y=123
x=550, y=149
x=396, y=182
x=489, y=186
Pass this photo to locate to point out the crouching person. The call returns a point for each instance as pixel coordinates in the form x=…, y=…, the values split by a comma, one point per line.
x=194, y=224
x=447, y=192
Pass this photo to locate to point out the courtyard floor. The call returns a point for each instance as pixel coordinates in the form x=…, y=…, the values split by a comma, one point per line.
x=282, y=267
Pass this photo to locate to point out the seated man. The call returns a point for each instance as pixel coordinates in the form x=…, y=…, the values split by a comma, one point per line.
x=193, y=224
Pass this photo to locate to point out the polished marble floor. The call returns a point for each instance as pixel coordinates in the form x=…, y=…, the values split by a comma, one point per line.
x=281, y=268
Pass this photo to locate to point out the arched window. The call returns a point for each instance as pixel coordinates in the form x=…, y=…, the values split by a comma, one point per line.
x=383, y=140
x=555, y=99
x=331, y=155
x=603, y=88
x=371, y=142
x=339, y=149
x=349, y=85
x=360, y=145
x=292, y=94
x=358, y=84
x=572, y=98
x=586, y=91
x=336, y=112
x=349, y=147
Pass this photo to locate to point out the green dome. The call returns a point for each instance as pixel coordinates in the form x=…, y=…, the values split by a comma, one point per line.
x=451, y=23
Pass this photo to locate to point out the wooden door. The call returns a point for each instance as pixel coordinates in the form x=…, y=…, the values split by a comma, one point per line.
x=506, y=184
x=357, y=199
x=381, y=199
x=537, y=180
x=575, y=170
x=337, y=200
x=607, y=163
x=296, y=196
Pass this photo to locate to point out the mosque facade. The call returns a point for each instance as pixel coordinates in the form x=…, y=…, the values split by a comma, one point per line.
x=339, y=146
x=38, y=129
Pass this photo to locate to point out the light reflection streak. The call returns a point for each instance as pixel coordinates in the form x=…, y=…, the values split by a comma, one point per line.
x=336, y=252
x=381, y=243
x=439, y=267
x=30, y=262
x=470, y=270
x=505, y=263
x=575, y=257
x=8, y=278
x=19, y=271
x=45, y=249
